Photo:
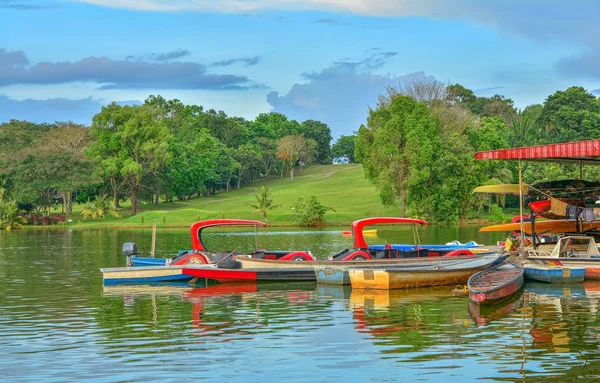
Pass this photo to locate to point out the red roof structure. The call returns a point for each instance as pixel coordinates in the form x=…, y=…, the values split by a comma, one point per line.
x=580, y=152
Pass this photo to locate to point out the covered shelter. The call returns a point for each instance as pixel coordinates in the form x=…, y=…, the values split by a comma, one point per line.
x=579, y=152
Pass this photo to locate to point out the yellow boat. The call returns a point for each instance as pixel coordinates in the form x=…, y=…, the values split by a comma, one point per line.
x=549, y=226
x=401, y=277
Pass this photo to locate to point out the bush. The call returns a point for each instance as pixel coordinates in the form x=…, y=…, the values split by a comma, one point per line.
x=308, y=211
x=497, y=214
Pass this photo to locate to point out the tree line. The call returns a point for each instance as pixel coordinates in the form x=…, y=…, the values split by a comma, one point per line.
x=418, y=143
x=160, y=150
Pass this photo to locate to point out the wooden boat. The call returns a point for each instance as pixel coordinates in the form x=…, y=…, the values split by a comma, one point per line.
x=496, y=283
x=397, y=277
x=554, y=272
x=201, y=255
x=228, y=275
x=571, y=251
x=336, y=273
x=145, y=274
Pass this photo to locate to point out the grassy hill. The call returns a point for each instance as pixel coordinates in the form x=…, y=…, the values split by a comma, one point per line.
x=342, y=187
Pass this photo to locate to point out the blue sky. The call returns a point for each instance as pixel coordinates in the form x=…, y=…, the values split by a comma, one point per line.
x=310, y=59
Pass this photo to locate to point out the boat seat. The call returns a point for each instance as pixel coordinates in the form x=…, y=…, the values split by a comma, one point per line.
x=339, y=254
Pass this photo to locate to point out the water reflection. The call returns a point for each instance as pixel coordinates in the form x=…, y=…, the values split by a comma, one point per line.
x=57, y=319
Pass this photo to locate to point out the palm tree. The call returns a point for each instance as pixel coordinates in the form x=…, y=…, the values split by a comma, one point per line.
x=264, y=202
x=98, y=208
x=11, y=216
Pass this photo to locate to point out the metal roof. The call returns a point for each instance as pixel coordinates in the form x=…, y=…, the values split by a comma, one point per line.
x=580, y=152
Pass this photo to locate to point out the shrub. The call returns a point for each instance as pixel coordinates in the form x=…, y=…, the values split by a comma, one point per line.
x=497, y=214
x=309, y=211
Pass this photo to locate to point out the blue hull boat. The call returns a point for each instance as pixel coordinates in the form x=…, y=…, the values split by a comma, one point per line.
x=554, y=273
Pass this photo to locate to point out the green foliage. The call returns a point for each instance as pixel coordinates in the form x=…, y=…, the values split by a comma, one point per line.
x=496, y=215
x=11, y=217
x=321, y=134
x=309, y=211
x=264, y=202
x=344, y=147
x=99, y=208
x=571, y=115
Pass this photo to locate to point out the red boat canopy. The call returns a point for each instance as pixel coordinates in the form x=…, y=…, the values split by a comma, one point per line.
x=580, y=152
x=196, y=229
x=358, y=226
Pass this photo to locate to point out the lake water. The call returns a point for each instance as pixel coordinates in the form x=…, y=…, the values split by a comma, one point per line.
x=59, y=324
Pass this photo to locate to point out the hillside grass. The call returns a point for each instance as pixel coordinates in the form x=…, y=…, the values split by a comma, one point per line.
x=342, y=187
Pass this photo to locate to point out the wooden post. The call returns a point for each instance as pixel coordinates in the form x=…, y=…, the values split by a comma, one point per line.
x=523, y=242
x=153, y=241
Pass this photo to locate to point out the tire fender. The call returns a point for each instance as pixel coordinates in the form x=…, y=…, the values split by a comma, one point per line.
x=357, y=254
x=454, y=253
x=295, y=255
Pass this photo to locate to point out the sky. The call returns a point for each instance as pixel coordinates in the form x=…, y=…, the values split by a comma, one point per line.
x=328, y=60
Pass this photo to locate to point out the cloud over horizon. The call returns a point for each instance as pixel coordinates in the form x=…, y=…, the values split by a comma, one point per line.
x=54, y=109
x=143, y=73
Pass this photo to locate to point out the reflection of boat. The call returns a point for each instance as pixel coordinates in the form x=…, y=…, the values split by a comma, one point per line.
x=557, y=289
x=333, y=291
x=393, y=277
x=575, y=251
x=484, y=314
x=383, y=299
x=554, y=273
x=496, y=283
x=171, y=289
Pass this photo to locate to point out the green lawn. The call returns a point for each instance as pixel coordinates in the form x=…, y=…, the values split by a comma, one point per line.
x=342, y=187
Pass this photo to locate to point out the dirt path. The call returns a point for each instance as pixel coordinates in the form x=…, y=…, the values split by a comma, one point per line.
x=329, y=174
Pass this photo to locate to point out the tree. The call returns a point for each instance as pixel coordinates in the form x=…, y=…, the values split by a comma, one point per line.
x=396, y=148
x=264, y=202
x=11, y=217
x=249, y=160
x=309, y=211
x=289, y=149
x=321, y=133
x=130, y=142
x=344, y=147
x=570, y=115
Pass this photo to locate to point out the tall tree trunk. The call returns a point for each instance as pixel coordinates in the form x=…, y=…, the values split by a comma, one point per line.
x=133, y=201
x=239, y=178
x=403, y=196
x=113, y=184
x=157, y=198
x=292, y=174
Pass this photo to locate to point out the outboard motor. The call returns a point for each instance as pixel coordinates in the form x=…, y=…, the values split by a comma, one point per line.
x=129, y=249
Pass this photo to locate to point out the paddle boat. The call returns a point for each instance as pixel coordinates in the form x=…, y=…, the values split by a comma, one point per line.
x=238, y=274
x=201, y=255
x=398, y=277
x=362, y=251
x=496, y=283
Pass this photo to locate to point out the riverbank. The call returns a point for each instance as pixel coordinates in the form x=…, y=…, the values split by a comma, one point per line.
x=342, y=187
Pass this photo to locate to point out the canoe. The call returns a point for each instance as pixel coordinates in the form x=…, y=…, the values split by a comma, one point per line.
x=398, y=277
x=501, y=189
x=224, y=275
x=554, y=273
x=546, y=227
x=496, y=283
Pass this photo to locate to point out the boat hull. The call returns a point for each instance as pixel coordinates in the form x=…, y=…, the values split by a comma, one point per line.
x=495, y=284
x=385, y=280
x=555, y=274
x=256, y=275
x=141, y=275
x=332, y=275
x=591, y=265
